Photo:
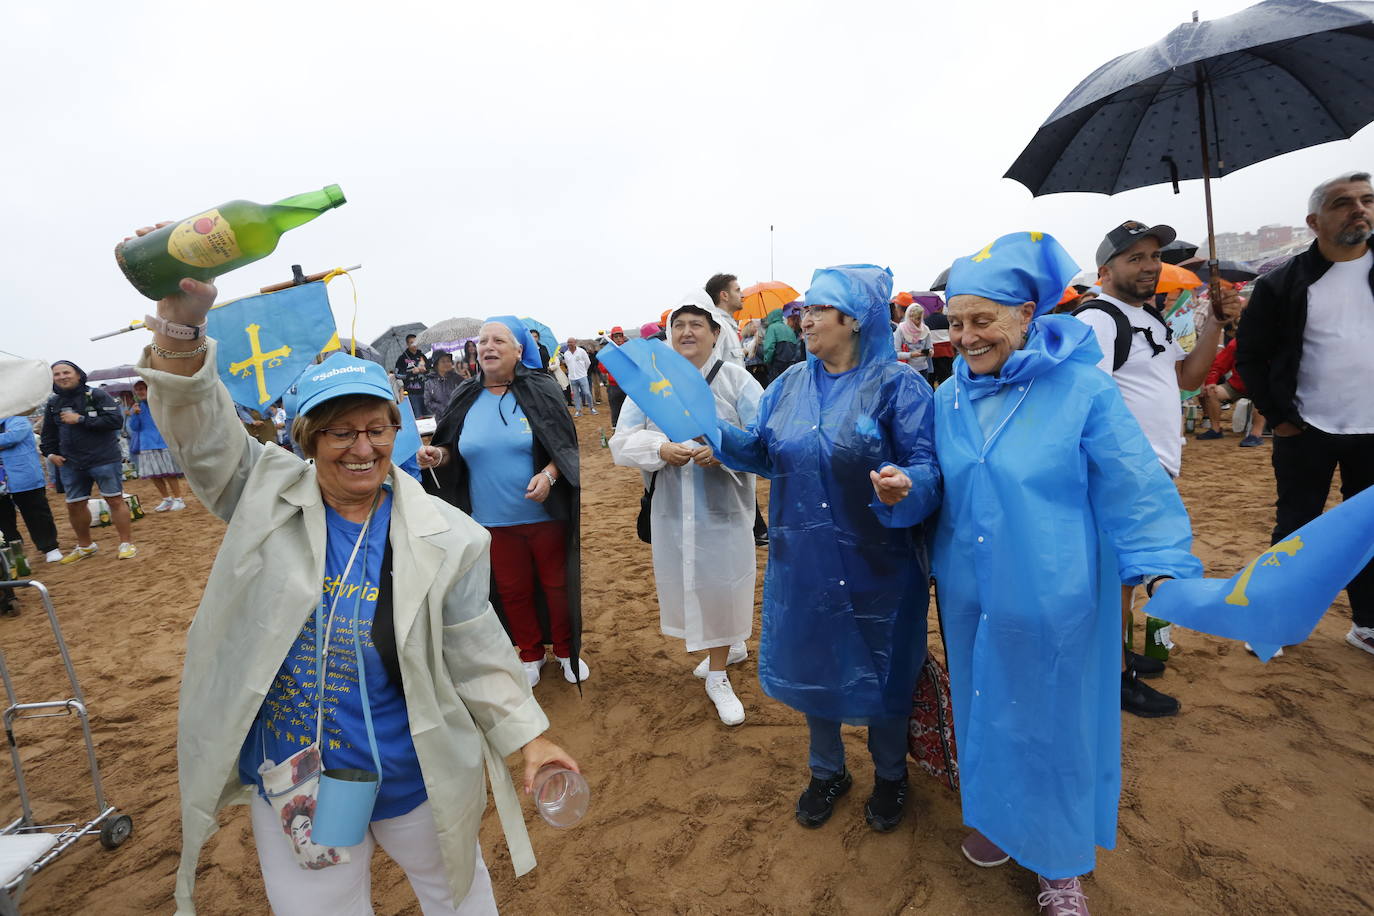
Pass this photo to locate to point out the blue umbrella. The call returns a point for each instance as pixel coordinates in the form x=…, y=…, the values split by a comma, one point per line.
x=546, y=335
x=1210, y=96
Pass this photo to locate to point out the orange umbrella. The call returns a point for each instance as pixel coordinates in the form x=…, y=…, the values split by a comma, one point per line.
x=762, y=298
x=1172, y=278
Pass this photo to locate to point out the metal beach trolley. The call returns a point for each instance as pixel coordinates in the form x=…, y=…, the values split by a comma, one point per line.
x=25, y=846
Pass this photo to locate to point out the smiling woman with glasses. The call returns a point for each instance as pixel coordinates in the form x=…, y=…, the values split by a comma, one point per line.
x=345, y=634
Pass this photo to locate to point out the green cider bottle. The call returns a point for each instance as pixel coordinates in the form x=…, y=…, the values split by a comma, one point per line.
x=217, y=241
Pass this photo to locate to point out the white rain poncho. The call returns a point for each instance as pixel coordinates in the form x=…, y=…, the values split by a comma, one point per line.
x=702, y=518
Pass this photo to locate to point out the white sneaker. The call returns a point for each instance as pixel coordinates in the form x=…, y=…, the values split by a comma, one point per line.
x=738, y=653
x=582, y=670
x=593, y=410
x=177, y=503
x=728, y=706
x=164, y=505
x=53, y=556
x=532, y=671
x=1251, y=650
x=1361, y=638
x=576, y=414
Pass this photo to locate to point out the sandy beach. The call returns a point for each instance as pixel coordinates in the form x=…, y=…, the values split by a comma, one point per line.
x=1257, y=798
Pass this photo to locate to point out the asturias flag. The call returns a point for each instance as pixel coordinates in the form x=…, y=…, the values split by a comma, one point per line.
x=668, y=388
x=1277, y=599
x=266, y=341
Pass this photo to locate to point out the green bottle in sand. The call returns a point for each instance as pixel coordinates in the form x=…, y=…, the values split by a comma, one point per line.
x=1158, y=639
x=212, y=243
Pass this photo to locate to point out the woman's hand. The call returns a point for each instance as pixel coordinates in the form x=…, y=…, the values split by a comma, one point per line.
x=540, y=753
x=676, y=455
x=891, y=485
x=432, y=456
x=539, y=487
x=57, y=460
x=705, y=457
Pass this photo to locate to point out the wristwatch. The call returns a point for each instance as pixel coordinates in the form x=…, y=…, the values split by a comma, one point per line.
x=552, y=479
x=172, y=329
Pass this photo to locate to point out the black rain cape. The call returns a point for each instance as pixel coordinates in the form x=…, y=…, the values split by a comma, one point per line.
x=555, y=438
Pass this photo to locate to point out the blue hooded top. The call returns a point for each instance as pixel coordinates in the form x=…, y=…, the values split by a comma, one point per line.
x=845, y=591
x=1054, y=498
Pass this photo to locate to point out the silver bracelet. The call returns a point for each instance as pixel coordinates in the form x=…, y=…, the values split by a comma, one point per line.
x=552, y=479
x=179, y=354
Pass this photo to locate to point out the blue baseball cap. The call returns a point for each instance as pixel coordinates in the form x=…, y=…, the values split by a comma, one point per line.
x=337, y=376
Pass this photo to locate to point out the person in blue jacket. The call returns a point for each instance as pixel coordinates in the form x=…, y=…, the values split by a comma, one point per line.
x=149, y=451
x=27, y=489
x=846, y=439
x=1053, y=500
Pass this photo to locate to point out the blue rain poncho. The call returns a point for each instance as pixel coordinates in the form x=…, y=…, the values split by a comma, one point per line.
x=1045, y=517
x=845, y=591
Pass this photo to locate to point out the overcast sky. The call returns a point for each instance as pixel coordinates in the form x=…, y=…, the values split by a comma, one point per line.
x=584, y=163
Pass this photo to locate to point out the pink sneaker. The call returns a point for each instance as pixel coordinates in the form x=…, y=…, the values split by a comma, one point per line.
x=1062, y=897
x=982, y=852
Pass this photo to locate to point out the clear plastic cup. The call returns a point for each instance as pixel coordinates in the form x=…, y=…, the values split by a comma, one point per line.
x=561, y=796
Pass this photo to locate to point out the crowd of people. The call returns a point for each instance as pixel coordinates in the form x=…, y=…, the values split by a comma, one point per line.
x=905, y=441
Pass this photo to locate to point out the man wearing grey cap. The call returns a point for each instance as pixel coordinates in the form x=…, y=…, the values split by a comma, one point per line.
x=1148, y=365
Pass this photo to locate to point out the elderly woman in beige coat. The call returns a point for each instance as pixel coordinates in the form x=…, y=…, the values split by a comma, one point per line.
x=443, y=690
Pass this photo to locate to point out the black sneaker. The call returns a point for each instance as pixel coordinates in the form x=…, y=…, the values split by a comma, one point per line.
x=761, y=540
x=1144, y=665
x=1143, y=700
x=887, y=804
x=817, y=803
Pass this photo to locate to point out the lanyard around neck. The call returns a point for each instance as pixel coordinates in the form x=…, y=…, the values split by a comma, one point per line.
x=322, y=641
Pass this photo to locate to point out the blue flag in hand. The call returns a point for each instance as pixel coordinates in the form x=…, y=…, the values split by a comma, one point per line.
x=1277, y=599
x=669, y=389
x=266, y=341
x=407, y=442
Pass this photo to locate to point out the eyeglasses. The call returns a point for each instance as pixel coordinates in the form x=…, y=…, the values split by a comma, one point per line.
x=814, y=311
x=342, y=437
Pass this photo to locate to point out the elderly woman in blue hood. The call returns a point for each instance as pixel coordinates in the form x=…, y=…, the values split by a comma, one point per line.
x=847, y=440
x=1053, y=499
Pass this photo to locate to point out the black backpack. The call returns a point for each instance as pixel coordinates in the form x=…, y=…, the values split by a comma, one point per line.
x=1121, y=349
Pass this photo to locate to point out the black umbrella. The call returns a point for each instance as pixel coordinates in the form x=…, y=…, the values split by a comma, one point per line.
x=940, y=282
x=1234, y=271
x=1280, y=76
x=1177, y=251
x=393, y=341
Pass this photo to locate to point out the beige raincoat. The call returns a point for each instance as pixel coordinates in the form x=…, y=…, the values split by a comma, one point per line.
x=468, y=700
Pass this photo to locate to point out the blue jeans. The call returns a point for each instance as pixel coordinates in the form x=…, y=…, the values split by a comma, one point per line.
x=886, y=742
x=581, y=392
x=76, y=482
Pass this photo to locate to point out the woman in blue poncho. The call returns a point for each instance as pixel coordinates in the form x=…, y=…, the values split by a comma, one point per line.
x=846, y=589
x=1054, y=498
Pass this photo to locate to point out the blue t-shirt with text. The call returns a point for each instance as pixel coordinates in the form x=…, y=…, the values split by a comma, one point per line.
x=286, y=721
x=498, y=446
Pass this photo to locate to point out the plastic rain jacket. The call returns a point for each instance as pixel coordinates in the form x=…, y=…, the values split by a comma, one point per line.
x=702, y=519
x=468, y=701
x=846, y=588
x=1042, y=523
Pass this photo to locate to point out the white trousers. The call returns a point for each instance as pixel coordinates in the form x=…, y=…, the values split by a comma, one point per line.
x=346, y=889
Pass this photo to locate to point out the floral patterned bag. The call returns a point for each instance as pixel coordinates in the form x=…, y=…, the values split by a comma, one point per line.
x=930, y=735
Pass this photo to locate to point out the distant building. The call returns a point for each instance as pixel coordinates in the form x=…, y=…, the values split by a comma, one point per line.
x=1266, y=242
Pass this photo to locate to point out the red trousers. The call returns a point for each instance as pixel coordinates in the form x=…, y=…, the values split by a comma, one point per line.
x=519, y=553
